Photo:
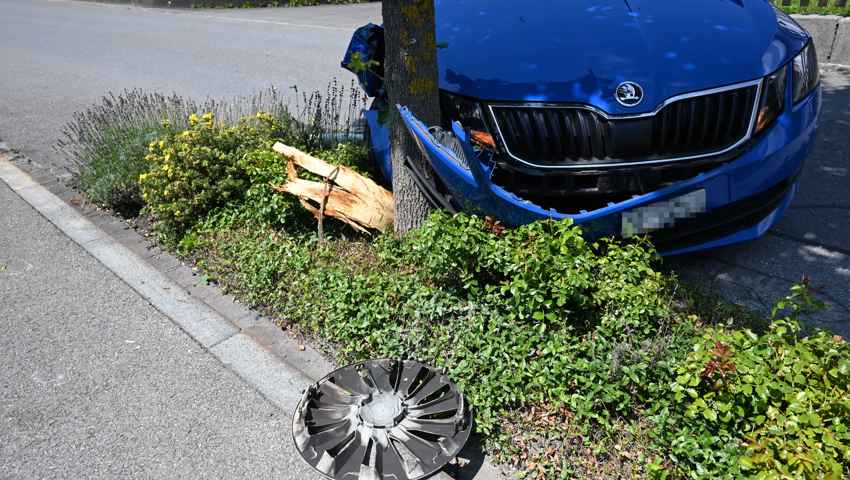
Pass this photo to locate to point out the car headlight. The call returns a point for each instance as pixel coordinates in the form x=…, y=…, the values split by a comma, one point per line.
x=772, y=101
x=469, y=113
x=806, y=74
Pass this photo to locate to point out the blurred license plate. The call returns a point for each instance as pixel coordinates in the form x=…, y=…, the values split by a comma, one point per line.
x=662, y=214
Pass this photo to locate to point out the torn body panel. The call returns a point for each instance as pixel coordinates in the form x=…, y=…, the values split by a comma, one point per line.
x=467, y=179
x=743, y=197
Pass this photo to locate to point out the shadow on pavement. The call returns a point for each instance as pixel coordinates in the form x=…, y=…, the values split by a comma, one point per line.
x=811, y=240
x=473, y=453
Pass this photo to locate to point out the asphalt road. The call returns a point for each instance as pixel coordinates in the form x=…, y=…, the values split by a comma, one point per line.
x=60, y=56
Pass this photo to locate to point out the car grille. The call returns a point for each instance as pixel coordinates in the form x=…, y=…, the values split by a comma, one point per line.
x=570, y=136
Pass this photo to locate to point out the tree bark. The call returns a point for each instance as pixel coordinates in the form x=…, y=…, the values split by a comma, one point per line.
x=411, y=80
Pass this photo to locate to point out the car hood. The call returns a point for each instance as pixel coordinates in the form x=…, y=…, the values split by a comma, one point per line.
x=580, y=50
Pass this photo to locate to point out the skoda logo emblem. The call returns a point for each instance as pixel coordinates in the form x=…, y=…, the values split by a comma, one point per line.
x=629, y=94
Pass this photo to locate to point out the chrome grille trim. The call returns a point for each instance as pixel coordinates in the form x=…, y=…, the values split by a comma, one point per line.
x=748, y=135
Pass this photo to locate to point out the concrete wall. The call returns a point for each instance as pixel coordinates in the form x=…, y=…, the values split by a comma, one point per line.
x=831, y=36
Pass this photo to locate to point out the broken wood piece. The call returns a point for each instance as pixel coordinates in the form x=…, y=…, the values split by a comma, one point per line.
x=340, y=204
x=345, y=194
x=341, y=175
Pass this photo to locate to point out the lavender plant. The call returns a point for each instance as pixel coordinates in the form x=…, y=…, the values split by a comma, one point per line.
x=107, y=143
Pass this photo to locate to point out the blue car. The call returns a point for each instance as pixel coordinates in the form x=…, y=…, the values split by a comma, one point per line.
x=685, y=120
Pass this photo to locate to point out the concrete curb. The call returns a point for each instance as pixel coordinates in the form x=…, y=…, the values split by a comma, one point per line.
x=831, y=35
x=198, y=320
x=260, y=353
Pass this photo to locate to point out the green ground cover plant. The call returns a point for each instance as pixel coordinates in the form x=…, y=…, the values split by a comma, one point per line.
x=745, y=403
x=581, y=359
x=537, y=336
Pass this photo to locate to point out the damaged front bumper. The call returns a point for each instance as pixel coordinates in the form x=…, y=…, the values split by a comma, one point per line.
x=738, y=200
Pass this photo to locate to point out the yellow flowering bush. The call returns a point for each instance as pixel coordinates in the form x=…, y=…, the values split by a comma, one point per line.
x=201, y=168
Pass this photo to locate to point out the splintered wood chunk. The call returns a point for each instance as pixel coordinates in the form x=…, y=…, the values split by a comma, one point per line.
x=345, y=194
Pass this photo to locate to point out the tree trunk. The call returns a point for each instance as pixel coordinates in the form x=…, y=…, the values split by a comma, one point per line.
x=411, y=80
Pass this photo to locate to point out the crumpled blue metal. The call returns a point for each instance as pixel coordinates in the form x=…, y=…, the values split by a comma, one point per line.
x=368, y=41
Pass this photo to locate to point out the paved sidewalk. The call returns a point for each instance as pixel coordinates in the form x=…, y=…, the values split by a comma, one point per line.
x=95, y=383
